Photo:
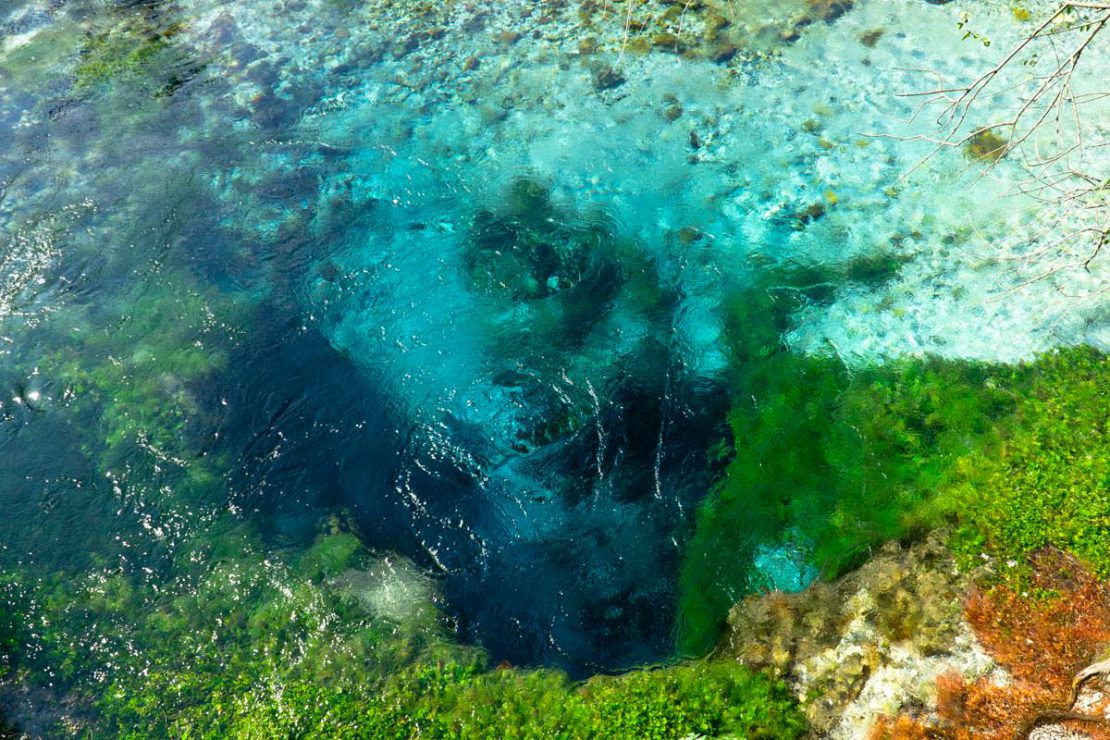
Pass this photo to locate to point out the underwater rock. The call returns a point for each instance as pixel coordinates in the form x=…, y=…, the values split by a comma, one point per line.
x=608, y=78
x=668, y=42
x=873, y=269
x=826, y=10
x=871, y=38
x=986, y=146
x=566, y=275
x=813, y=212
x=722, y=53
x=673, y=112
x=870, y=643
x=688, y=235
x=816, y=11
x=507, y=38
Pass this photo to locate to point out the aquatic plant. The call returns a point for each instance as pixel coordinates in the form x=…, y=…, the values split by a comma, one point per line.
x=1048, y=483
x=832, y=459
x=565, y=270
x=248, y=647
x=113, y=55
x=159, y=654
x=138, y=50
x=12, y=627
x=138, y=374
x=465, y=700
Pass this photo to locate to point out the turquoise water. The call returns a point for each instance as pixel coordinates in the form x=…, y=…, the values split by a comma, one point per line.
x=458, y=272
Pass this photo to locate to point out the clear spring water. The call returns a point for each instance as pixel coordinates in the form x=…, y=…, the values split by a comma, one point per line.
x=459, y=269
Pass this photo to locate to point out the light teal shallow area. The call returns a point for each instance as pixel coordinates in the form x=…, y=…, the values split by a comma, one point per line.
x=352, y=350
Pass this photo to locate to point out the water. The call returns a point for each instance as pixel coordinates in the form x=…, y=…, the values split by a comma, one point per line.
x=458, y=271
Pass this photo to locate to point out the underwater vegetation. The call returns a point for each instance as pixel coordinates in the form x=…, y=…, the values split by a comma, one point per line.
x=259, y=647
x=1048, y=483
x=137, y=51
x=232, y=635
x=550, y=278
x=12, y=608
x=138, y=373
x=829, y=459
x=13, y=635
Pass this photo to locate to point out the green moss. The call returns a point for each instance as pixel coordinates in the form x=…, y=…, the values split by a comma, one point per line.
x=330, y=555
x=463, y=700
x=1048, y=484
x=116, y=55
x=250, y=649
x=832, y=460
x=13, y=628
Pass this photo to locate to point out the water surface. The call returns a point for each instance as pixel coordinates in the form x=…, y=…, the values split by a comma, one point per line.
x=459, y=271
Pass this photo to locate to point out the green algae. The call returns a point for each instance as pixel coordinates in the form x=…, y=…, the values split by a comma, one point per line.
x=835, y=460
x=566, y=269
x=249, y=648
x=161, y=656
x=139, y=51
x=330, y=555
x=13, y=605
x=1048, y=483
x=115, y=55
x=136, y=375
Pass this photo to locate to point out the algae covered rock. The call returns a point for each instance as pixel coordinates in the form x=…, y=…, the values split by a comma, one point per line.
x=868, y=644
x=986, y=146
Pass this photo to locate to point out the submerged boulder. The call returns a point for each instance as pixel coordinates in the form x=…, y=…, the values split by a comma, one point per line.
x=867, y=645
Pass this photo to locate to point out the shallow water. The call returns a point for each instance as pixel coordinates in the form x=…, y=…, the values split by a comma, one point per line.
x=459, y=271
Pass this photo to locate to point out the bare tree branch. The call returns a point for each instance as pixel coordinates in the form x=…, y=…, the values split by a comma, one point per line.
x=1044, y=129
